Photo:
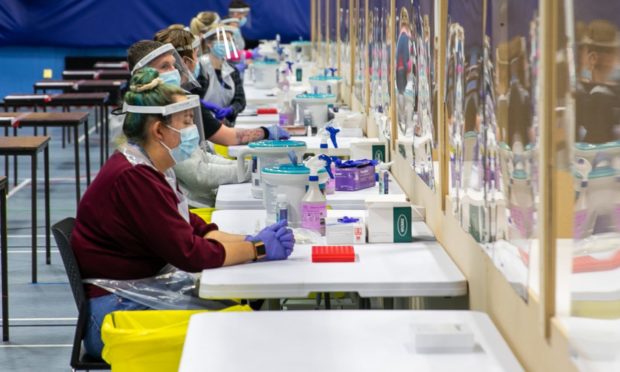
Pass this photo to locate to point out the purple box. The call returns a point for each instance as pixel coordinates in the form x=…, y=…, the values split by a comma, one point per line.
x=356, y=178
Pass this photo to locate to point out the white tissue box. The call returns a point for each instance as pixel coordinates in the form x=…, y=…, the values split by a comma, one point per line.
x=345, y=233
x=389, y=219
x=443, y=338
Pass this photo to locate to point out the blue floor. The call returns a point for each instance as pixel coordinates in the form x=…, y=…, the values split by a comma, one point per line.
x=42, y=315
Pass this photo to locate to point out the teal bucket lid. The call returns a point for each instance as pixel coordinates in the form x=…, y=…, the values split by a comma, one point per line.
x=300, y=42
x=325, y=78
x=592, y=147
x=519, y=174
x=275, y=144
x=267, y=62
x=316, y=96
x=290, y=169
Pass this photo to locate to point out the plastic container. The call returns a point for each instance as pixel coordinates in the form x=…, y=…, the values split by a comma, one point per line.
x=303, y=49
x=150, y=340
x=290, y=180
x=266, y=74
x=326, y=84
x=317, y=104
x=281, y=208
x=314, y=206
x=268, y=154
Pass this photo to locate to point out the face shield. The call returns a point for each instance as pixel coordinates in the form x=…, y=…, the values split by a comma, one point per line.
x=186, y=112
x=221, y=43
x=196, y=48
x=172, y=70
x=231, y=25
x=242, y=14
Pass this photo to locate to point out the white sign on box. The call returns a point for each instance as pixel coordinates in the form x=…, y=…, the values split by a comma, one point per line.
x=345, y=230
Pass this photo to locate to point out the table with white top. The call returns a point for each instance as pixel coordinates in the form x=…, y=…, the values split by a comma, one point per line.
x=254, y=221
x=313, y=146
x=258, y=96
x=420, y=268
x=251, y=121
x=239, y=196
x=328, y=341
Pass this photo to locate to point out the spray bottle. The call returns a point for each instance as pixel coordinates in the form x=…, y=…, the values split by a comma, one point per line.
x=330, y=167
x=314, y=204
x=383, y=177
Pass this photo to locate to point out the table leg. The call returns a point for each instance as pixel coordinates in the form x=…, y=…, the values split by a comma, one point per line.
x=87, y=149
x=63, y=129
x=46, y=160
x=34, y=217
x=364, y=303
x=96, y=119
x=101, y=136
x=5, y=266
x=107, y=132
x=76, y=151
x=15, y=161
x=6, y=158
x=328, y=302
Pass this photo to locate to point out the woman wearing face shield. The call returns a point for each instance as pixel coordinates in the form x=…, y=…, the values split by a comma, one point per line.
x=133, y=221
x=165, y=59
x=201, y=174
x=200, y=24
x=224, y=84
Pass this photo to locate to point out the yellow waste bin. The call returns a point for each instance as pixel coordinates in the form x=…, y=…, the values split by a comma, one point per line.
x=149, y=340
x=204, y=213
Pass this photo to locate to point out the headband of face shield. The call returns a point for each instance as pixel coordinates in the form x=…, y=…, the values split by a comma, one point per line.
x=246, y=20
x=195, y=46
x=182, y=77
x=190, y=107
x=223, y=46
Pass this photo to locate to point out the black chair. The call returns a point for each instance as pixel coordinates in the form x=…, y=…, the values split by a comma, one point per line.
x=79, y=359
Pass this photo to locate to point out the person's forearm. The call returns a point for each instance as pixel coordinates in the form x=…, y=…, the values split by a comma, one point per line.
x=245, y=136
x=225, y=237
x=238, y=250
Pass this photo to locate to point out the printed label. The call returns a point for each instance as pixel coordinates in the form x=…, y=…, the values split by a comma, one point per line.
x=313, y=216
x=378, y=152
x=402, y=225
x=283, y=119
x=523, y=220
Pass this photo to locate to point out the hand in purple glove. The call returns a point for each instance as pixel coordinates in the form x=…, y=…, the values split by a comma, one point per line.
x=211, y=106
x=256, y=53
x=223, y=113
x=241, y=67
x=277, y=133
x=278, y=239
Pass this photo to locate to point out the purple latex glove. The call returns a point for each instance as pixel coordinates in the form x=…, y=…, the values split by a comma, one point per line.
x=223, y=113
x=211, y=106
x=241, y=67
x=278, y=239
x=256, y=53
x=277, y=133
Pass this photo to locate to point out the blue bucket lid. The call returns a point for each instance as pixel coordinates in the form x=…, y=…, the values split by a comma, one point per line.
x=325, y=78
x=316, y=96
x=272, y=144
x=290, y=169
x=267, y=62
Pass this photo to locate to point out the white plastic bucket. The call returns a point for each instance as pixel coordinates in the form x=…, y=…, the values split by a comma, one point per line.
x=317, y=104
x=266, y=74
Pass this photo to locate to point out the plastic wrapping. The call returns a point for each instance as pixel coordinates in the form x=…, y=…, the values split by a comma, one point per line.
x=171, y=289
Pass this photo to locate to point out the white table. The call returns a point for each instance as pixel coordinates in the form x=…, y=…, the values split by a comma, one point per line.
x=255, y=121
x=228, y=220
x=335, y=341
x=380, y=270
x=239, y=196
x=313, y=145
x=257, y=96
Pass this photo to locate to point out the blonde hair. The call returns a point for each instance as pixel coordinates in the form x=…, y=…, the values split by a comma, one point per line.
x=201, y=22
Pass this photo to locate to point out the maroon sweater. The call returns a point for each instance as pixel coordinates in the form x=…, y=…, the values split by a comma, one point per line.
x=128, y=227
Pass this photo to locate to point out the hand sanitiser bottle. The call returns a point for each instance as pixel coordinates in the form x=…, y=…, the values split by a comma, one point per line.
x=314, y=205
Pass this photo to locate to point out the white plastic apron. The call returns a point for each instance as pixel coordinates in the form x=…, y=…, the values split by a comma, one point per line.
x=217, y=93
x=135, y=156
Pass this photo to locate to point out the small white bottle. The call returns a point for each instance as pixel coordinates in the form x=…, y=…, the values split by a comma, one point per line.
x=281, y=208
x=314, y=206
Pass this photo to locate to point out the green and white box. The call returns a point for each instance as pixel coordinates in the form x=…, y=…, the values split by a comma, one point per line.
x=389, y=219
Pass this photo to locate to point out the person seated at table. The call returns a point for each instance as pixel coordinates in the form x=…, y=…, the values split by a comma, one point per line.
x=224, y=83
x=201, y=174
x=239, y=10
x=200, y=23
x=163, y=58
x=133, y=220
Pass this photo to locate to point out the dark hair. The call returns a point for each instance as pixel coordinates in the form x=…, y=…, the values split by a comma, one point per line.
x=139, y=50
x=238, y=4
x=161, y=94
x=179, y=38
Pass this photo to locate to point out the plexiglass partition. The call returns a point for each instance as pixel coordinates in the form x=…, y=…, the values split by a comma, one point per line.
x=361, y=54
x=334, y=11
x=588, y=149
x=345, y=41
x=415, y=85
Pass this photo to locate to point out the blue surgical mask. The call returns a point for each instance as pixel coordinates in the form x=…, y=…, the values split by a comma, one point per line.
x=219, y=49
x=172, y=77
x=196, y=70
x=190, y=139
x=243, y=21
x=586, y=74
